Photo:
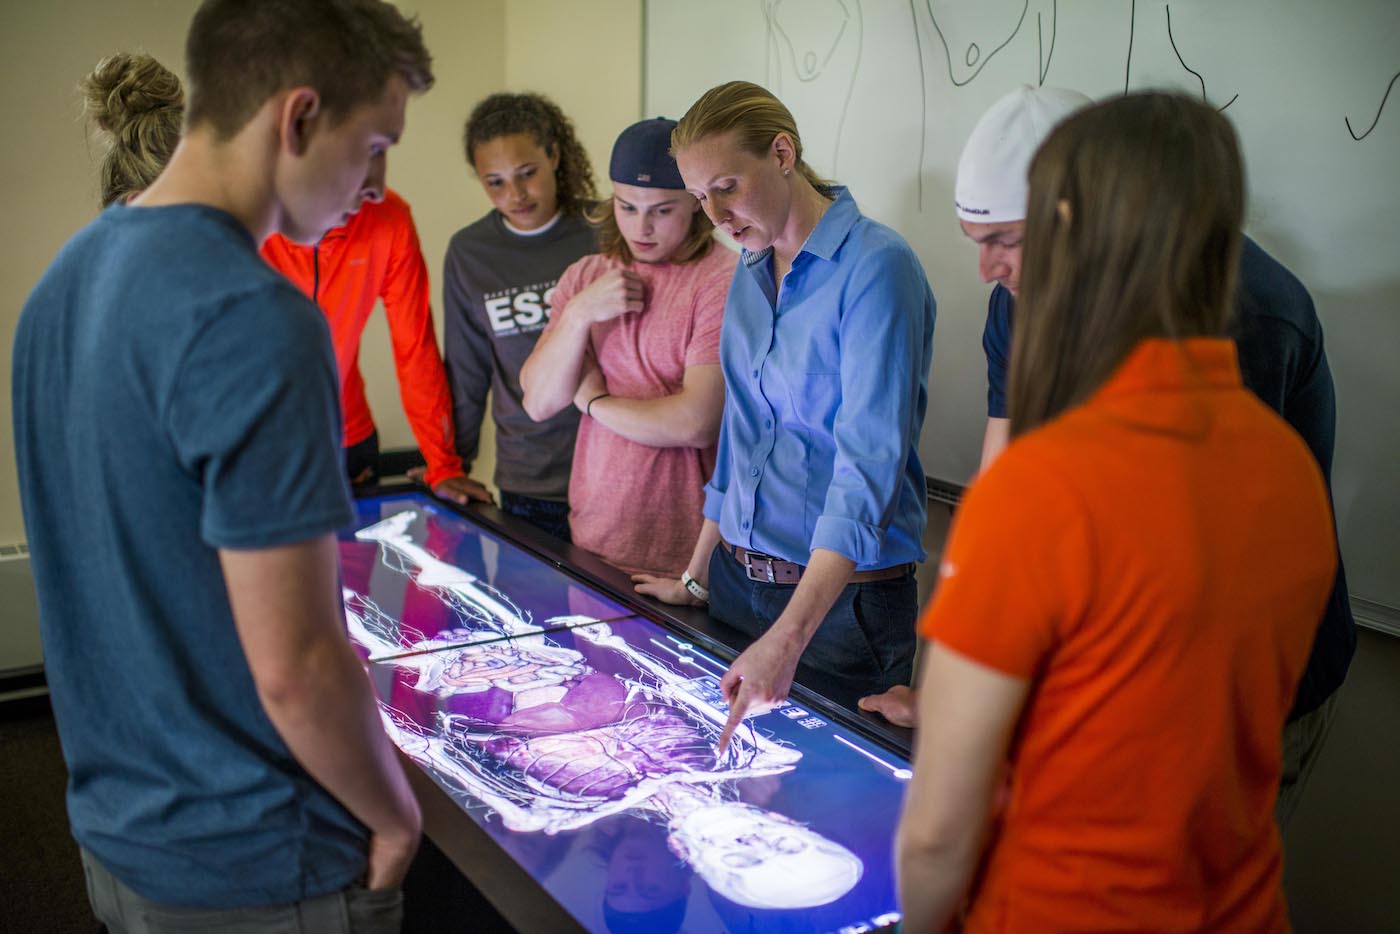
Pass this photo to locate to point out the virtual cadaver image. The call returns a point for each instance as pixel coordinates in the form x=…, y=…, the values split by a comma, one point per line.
x=555, y=727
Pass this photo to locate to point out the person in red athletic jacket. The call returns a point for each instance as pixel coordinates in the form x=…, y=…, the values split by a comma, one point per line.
x=374, y=255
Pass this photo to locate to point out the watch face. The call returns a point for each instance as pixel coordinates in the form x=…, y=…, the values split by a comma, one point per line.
x=581, y=735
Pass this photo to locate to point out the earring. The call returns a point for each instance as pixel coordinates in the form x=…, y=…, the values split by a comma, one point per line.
x=787, y=172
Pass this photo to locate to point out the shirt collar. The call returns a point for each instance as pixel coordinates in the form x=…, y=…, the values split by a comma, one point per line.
x=831, y=230
x=1162, y=364
x=544, y=228
x=353, y=227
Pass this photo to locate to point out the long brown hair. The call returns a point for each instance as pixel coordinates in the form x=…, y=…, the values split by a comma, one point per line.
x=135, y=105
x=1132, y=231
x=613, y=244
x=756, y=117
x=505, y=114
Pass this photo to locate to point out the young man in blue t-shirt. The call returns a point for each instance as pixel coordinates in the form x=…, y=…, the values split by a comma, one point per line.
x=1282, y=361
x=177, y=431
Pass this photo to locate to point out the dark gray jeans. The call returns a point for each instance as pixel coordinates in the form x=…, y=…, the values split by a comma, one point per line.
x=356, y=910
x=1302, y=741
x=866, y=640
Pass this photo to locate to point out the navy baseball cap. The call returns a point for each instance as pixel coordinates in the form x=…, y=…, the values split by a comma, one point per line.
x=642, y=156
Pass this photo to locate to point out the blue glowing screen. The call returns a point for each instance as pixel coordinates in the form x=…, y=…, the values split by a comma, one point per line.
x=582, y=737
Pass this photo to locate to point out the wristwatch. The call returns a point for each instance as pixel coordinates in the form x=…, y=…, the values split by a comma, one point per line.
x=697, y=589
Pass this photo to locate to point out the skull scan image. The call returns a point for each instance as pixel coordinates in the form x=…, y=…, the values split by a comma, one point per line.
x=760, y=859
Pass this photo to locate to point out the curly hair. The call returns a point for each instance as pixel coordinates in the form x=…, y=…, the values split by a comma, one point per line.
x=504, y=114
x=135, y=105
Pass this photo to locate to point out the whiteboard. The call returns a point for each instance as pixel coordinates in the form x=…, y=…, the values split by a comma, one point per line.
x=886, y=91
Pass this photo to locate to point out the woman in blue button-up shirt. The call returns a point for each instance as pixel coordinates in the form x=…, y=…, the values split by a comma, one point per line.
x=815, y=513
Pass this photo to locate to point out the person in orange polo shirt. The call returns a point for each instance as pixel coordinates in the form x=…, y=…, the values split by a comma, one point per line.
x=374, y=255
x=1101, y=716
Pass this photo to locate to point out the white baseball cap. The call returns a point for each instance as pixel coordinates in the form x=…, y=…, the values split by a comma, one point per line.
x=991, y=187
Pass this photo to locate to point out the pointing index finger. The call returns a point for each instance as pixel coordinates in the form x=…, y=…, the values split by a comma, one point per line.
x=736, y=716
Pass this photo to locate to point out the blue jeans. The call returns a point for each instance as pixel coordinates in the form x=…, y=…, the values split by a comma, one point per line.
x=356, y=910
x=866, y=640
x=547, y=515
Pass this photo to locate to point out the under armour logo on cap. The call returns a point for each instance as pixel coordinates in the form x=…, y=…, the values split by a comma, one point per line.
x=991, y=181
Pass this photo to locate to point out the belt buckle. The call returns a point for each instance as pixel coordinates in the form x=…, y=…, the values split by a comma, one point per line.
x=770, y=577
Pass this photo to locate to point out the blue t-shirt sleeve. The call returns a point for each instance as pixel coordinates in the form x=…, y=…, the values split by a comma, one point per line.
x=1284, y=362
x=1311, y=408
x=254, y=413
x=996, y=343
x=1281, y=353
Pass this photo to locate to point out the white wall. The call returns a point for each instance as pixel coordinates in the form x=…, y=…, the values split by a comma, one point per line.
x=586, y=56
x=885, y=95
x=589, y=57
x=45, y=48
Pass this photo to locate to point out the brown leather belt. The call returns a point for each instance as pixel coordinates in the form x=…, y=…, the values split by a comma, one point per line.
x=767, y=569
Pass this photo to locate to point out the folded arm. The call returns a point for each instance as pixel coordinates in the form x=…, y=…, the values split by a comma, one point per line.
x=686, y=419
x=551, y=374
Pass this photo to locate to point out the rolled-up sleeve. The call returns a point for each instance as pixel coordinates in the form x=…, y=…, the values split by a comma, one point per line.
x=877, y=424
x=719, y=480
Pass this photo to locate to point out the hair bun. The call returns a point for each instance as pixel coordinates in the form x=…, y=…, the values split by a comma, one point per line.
x=126, y=86
x=137, y=106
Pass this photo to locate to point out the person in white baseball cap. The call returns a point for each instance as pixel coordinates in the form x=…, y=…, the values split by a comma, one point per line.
x=990, y=197
x=1279, y=343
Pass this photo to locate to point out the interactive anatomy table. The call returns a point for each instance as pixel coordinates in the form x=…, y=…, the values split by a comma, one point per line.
x=566, y=737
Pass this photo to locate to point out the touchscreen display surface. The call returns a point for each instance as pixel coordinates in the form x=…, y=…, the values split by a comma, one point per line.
x=540, y=597
x=582, y=738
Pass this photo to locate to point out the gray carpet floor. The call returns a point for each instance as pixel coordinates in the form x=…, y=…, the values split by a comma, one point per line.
x=1342, y=848
x=41, y=878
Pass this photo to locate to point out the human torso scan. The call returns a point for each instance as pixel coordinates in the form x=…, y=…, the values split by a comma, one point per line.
x=582, y=737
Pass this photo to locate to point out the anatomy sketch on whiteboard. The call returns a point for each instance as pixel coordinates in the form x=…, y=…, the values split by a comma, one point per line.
x=813, y=62
x=1384, y=97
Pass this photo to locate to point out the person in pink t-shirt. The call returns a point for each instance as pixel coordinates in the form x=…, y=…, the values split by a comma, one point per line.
x=633, y=342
